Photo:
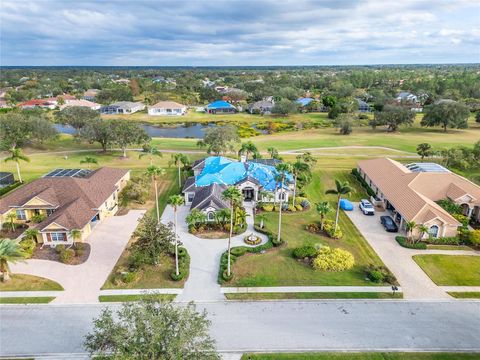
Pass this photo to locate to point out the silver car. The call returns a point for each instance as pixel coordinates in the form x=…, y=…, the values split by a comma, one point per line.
x=366, y=207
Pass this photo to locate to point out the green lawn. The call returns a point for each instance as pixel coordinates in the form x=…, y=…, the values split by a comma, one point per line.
x=465, y=295
x=125, y=298
x=313, y=295
x=278, y=268
x=25, y=300
x=21, y=282
x=451, y=270
x=363, y=356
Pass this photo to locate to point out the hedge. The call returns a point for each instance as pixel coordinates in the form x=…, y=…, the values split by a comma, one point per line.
x=362, y=181
x=183, y=265
x=403, y=242
x=238, y=251
x=9, y=188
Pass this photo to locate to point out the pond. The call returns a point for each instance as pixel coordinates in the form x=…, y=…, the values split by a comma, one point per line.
x=194, y=130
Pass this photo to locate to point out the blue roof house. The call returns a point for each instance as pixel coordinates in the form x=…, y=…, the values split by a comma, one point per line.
x=212, y=175
x=221, y=107
x=304, y=101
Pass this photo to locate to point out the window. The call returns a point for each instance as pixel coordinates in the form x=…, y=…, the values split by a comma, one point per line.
x=57, y=237
x=211, y=216
x=190, y=197
x=21, y=215
x=282, y=196
x=50, y=211
x=433, y=231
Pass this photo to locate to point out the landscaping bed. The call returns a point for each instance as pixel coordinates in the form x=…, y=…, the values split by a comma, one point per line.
x=22, y=282
x=8, y=233
x=78, y=253
x=125, y=298
x=451, y=270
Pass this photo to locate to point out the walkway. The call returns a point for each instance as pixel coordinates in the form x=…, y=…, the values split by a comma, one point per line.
x=202, y=284
x=415, y=283
x=82, y=282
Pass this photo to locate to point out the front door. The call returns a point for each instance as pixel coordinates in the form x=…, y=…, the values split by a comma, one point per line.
x=248, y=194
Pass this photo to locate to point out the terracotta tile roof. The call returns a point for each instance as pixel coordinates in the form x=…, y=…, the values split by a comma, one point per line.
x=168, y=105
x=75, y=199
x=36, y=102
x=414, y=194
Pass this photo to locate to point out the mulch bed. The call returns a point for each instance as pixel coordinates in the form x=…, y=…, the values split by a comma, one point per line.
x=9, y=234
x=122, y=211
x=48, y=253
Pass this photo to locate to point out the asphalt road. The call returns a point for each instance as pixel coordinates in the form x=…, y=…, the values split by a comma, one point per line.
x=264, y=326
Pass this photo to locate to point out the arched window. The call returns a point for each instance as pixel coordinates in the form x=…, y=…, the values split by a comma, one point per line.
x=211, y=216
x=433, y=231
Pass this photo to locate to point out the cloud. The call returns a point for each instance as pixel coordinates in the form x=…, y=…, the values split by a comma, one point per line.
x=249, y=32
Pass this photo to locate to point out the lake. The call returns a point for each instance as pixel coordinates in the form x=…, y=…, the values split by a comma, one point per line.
x=195, y=130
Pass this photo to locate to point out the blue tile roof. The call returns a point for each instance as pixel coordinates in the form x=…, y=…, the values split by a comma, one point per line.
x=220, y=170
x=304, y=101
x=220, y=104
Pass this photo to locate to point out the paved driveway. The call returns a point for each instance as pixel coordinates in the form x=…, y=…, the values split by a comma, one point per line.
x=415, y=283
x=82, y=283
x=205, y=256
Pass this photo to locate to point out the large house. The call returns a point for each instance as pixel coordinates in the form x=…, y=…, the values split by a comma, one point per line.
x=410, y=193
x=81, y=102
x=168, y=108
x=38, y=103
x=261, y=107
x=256, y=180
x=221, y=107
x=122, y=107
x=64, y=200
x=91, y=94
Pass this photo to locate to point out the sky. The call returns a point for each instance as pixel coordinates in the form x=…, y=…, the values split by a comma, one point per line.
x=238, y=33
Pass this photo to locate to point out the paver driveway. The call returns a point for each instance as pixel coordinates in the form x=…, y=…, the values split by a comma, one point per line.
x=415, y=283
x=202, y=284
x=82, y=282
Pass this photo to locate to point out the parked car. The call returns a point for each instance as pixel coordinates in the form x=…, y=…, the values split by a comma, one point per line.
x=388, y=224
x=366, y=207
x=346, y=205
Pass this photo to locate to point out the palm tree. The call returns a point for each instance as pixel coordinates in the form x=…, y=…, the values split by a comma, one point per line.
x=224, y=216
x=89, y=161
x=323, y=208
x=262, y=219
x=409, y=227
x=31, y=234
x=10, y=251
x=76, y=234
x=240, y=216
x=150, y=152
x=233, y=196
x=177, y=160
x=154, y=172
x=248, y=148
x=283, y=169
x=423, y=229
x=298, y=167
x=273, y=152
x=175, y=201
x=11, y=217
x=16, y=155
x=342, y=188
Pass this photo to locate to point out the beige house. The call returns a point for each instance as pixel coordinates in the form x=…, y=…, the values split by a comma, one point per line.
x=167, y=108
x=58, y=204
x=411, y=195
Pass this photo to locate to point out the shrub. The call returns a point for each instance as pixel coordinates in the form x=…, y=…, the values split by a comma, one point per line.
x=362, y=181
x=379, y=274
x=268, y=208
x=182, y=252
x=28, y=246
x=376, y=276
x=454, y=240
x=450, y=206
x=59, y=248
x=79, y=249
x=329, y=228
x=313, y=228
x=66, y=255
x=175, y=277
x=8, y=188
x=292, y=208
x=129, y=276
x=299, y=207
x=474, y=237
x=227, y=277
x=461, y=219
x=238, y=251
x=38, y=218
x=304, y=251
x=402, y=241
x=333, y=259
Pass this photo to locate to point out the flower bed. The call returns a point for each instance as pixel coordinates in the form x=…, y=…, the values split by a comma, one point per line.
x=75, y=255
x=252, y=240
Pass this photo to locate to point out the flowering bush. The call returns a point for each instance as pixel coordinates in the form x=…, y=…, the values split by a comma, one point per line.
x=329, y=228
x=333, y=259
